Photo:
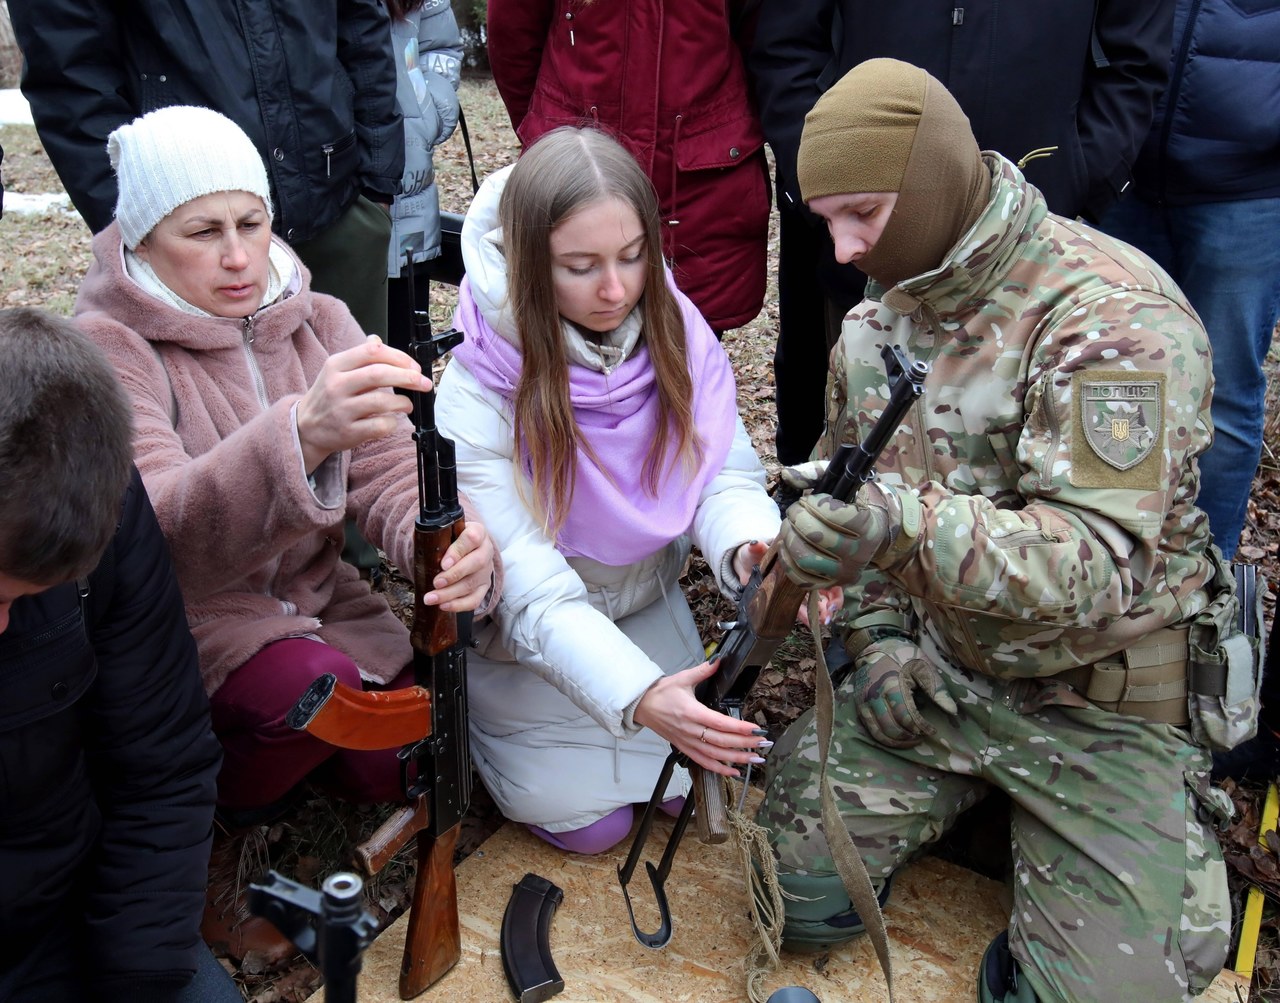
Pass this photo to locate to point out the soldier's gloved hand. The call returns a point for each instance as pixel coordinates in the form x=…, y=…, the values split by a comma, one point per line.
x=828, y=542
x=888, y=671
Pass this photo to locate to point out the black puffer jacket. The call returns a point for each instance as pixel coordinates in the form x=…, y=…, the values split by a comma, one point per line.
x=1217, y=129
x=107, y=768
x=1030, y=76
x=313, y=85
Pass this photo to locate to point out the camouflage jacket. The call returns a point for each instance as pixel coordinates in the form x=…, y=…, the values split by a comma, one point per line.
x=1054, y=450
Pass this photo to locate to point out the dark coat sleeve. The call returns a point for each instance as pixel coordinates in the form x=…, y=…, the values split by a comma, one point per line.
x=517, y=34
x=1118, y=99
x=367, y=55
x=153, y=761
x=73, y=77
x=791, y=50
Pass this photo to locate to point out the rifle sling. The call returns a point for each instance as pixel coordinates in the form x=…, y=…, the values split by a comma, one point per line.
x=849, y=865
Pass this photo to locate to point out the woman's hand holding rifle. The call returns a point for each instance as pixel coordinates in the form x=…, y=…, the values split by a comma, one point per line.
x=351, y=402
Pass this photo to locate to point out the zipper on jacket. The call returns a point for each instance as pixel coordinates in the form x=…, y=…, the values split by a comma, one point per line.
x=327, y=149
x=675, y=186
x=255, y=371
x=568, y=16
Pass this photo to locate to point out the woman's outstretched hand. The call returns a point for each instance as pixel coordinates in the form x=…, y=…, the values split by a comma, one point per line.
x=351, y=401
x=466, y=572
x=709, y=738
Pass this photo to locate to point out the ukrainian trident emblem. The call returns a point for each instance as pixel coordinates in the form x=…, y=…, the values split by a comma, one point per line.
x=1121, y=419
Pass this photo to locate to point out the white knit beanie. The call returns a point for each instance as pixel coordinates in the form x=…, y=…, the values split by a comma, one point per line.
x=173, y=155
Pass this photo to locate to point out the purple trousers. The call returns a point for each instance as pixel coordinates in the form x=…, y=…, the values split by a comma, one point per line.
x=263, y=758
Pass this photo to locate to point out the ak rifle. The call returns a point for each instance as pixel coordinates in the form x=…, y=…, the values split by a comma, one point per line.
x=766, y=614
x=428, y=720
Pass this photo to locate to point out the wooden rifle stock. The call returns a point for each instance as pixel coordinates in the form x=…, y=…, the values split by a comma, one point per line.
x=433, y=941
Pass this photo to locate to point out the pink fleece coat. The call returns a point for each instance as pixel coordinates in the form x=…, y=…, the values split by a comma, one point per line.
x=256, y=549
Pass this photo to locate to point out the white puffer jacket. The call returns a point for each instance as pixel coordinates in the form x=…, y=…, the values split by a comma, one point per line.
x=556, y=615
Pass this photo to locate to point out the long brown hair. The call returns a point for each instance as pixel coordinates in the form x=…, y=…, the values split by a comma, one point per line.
x=564, y=171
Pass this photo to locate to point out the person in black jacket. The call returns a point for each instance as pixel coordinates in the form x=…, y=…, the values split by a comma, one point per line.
x=1206, y=205
x=107, y=760
x=1066, y=90
x=314, y=87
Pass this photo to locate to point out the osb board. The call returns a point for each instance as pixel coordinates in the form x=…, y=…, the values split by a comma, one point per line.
x=940, y=919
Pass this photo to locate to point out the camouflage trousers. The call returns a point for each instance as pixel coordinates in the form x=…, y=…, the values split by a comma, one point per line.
x=1119, y=884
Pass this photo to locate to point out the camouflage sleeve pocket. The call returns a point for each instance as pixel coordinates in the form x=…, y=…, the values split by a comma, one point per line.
x=1226, y=662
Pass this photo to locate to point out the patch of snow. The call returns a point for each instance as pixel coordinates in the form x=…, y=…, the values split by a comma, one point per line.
x=14, y=109
x=19, y=202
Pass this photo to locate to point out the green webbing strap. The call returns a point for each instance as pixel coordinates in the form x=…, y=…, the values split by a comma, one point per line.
x=849, y=865
x=762, y=878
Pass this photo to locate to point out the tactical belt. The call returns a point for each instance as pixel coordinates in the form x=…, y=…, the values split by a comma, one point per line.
x=1147, y=680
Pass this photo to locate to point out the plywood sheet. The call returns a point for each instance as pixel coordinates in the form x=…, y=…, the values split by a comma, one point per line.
x=940, y=919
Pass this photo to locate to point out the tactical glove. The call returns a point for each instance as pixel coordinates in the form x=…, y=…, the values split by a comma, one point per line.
x=828, y=542
x=888, y=670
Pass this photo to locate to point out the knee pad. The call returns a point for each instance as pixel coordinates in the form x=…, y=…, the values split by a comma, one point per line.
x=999, y=977
x=821, y=915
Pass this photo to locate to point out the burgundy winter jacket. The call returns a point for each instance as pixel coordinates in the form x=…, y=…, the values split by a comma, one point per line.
x=666, y=77
x=256, y=548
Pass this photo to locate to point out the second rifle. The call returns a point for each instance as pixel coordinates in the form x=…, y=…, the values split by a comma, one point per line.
x=429, y=719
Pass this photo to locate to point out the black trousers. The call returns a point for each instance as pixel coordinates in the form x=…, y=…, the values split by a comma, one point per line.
x=814, y=294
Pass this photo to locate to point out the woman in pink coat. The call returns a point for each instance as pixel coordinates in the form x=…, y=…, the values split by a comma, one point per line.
x=666, y=79
x=263, y=416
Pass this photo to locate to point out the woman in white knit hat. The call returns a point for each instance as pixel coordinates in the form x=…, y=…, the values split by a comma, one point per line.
x=263, y=416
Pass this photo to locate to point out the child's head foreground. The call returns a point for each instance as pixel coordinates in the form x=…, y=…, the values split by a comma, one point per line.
x=65, y=449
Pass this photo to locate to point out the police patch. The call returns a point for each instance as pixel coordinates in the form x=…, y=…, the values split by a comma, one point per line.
x=1123, y=419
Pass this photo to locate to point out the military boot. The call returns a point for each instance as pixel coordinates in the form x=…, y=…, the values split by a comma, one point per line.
x=999, y=978
x=809, y=925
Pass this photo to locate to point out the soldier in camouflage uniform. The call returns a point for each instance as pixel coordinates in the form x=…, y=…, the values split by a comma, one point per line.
x=1024, y=571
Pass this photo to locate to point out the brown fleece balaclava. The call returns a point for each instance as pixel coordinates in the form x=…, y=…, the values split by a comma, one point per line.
x=887, y=126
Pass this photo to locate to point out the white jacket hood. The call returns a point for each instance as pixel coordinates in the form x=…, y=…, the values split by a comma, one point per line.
x=485, y=262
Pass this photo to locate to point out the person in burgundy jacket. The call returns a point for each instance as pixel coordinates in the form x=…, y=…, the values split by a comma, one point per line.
x=668, y=81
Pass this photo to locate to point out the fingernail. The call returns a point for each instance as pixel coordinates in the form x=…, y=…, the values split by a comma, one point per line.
x=430, y=599
x=765, y=745
x=759, y=732
x=757, y=760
